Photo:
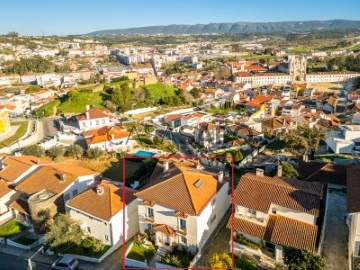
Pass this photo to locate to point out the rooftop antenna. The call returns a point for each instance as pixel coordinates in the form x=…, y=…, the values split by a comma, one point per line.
x=42, y=31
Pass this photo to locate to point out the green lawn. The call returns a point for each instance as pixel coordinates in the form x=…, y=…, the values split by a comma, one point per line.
x=20, y=132
x=331, y=157
x=11, y=228
x=76, y=101
x=48, y=109
x=23, y=240
x=244, y=264
x=161, y=90
x=140, y=253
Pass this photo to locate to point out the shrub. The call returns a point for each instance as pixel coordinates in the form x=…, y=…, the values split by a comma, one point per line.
x=220, y=261
x=94, y=153
x=33, y=150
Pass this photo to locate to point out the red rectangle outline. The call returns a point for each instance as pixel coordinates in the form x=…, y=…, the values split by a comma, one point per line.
x=123, y=247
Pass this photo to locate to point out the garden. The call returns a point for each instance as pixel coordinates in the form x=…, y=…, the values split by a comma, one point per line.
x=179, y=257
x=89, y=247
x=11, y=228
x=20, y=132
x=242, y=240
x=140, y=252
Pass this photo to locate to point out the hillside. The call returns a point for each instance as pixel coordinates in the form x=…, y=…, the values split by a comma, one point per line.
x=237, y=27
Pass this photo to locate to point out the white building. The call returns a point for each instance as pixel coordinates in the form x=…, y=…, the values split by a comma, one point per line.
x=209, y=135
x=94, y=118
x=100, y=211
x=182, y=204
x=346, y=140
x=109, y=139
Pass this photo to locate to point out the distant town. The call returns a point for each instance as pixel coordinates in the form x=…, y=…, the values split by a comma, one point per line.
x=208, y=153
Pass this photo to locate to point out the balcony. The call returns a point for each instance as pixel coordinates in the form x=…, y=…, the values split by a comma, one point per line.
x=149, y=218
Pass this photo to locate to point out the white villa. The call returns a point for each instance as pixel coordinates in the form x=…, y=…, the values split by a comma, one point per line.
x=344, y=141
x=182, y=204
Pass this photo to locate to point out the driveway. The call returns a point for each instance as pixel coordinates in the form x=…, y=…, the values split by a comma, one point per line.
x=336, y=232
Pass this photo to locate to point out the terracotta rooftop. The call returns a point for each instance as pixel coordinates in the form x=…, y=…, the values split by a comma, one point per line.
x=164, y=229
x=15, y=166
x=94, y=113
x=49, y=178
x=171, y=117
x=21, y=205
x=103, y=206
x=182, y=188
x=258, y=101
x=321, y=172
x=4, y=188
x=104, y=134
x=279, y=230
x=259, y=192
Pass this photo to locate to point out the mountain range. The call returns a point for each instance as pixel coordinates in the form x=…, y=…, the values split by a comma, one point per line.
x=237, y=27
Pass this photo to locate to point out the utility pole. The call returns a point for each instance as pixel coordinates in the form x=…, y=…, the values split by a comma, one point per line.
x=30, y=267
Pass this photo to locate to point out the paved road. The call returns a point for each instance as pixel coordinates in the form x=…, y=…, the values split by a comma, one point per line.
x=336, y=232
x=9, y=262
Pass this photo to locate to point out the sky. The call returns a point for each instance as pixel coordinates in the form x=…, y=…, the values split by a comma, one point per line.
x=65, y=17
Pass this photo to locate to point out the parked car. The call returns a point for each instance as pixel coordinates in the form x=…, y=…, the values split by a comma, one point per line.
x=66, y=262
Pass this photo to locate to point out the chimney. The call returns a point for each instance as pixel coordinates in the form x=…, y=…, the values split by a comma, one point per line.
x=279, y=170
x=62, y=177
x=112, y=136
x=37, y=161
x=87, y=107
x=100, y=190
x=166, y=166
x=259, y=172
x=87, y=115
x=220, y=176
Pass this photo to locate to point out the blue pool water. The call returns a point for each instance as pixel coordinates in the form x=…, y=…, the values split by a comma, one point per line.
x=142, y=153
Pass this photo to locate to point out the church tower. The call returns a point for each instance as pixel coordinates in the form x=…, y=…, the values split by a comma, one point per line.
x=297, y=68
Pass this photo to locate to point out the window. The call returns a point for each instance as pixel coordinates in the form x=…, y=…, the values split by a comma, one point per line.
x=213, y=202
x=183, y=240
x=274, y=211
x=150, y=212
x=182, y=224
x=103, y=121
x=75, y=192
x=212, y=219
x=149, y=226
x=106, y=237
x=97, y=122
x=66, y=197
x=252, y=211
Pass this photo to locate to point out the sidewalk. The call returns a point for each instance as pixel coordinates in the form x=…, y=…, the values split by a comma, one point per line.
x=43, y=258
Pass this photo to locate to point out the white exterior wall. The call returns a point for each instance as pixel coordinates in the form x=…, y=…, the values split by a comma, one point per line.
x=94, y=123
x=340, y=146
x=112, y=146
x=293, y=214
x=131, y=223
x=98, y=227
x=81, y=184
x=4, y=200
x=165, y=215
x=204, y=225
x=353, y=135
x=330, y=77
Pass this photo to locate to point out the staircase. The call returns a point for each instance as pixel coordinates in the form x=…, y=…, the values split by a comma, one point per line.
x=161, y=252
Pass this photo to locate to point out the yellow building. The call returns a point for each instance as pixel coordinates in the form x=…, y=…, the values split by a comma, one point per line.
x=4, y=122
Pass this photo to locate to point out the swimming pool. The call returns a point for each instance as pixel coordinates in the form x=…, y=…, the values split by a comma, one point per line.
x=142, y=153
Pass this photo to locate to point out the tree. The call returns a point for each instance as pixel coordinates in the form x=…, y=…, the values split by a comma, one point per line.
x=289, y=171
x=121, y=97
x=32, y=89
x=42, y=220
x=63, y=232
x=297, y=259
x=238, y=156
x=94, y=153
x=33, y=150
x=195, y=92
x=220, y=261
x=56, y=151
